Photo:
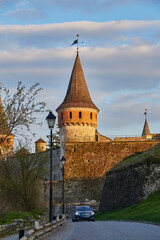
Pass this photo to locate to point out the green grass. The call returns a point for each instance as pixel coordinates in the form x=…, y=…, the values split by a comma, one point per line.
x=10, y=216
x=148, y=210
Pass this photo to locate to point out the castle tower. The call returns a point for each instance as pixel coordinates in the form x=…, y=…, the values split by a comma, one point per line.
x=40, y=145
x=6, y=137
x=146, y=130
x=77, y=115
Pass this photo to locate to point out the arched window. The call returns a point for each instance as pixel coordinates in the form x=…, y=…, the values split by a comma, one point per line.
x=61, y=115
x=80, y=114
x=91, y=115
x=70, y=115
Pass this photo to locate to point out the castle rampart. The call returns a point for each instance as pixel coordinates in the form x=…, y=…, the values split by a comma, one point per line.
x=93, y=160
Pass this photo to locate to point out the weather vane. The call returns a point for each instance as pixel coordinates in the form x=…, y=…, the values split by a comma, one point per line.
x=76, y=42
x=145, y=113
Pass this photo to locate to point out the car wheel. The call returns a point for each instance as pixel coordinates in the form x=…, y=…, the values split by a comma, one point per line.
x=73, y=220
x=93, y=220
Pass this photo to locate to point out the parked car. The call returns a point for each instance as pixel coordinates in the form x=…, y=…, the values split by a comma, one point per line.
x=83, y=213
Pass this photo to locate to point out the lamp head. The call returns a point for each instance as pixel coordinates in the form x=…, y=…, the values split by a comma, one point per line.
x=45, y=180
x=62, y=161
x=50, y=120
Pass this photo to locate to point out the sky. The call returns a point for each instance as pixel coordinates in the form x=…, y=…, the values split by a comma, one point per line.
x=120, y=56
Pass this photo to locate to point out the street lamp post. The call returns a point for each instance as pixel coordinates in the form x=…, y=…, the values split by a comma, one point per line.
x=62, y=163
x=50, y=121
x=45, y=190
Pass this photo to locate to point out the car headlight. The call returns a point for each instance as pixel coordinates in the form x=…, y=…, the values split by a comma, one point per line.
x=92, y=213
x=77, y=213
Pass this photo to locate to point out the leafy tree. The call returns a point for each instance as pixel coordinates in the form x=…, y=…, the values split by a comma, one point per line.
x=20, y=178
x=55, y=139
x=18, y=111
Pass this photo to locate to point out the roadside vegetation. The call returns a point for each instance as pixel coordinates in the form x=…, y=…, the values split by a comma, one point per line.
x=21, y=174
x=20, y=181
x=9, y=217
x=148, y=210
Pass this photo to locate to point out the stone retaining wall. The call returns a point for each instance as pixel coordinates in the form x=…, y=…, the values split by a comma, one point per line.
x=130, y=186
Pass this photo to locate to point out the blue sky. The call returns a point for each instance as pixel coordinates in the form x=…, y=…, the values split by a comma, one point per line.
x=53, y=11
x=120, y=56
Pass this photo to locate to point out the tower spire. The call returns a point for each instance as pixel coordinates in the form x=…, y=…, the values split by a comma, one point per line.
x=76, y=42
x=145, y=113
x=146, y=130
x=77, y=93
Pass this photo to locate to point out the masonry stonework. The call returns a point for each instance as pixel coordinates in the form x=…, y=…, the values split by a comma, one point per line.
x=93, y=160
x=130, y=186
x=72, y=116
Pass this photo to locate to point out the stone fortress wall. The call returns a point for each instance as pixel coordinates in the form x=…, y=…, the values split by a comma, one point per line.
x=93, y=160
x=86, y=167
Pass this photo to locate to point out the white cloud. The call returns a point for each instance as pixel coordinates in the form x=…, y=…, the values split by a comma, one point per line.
x=92, y=33
x=120, y=61
x=24, y=14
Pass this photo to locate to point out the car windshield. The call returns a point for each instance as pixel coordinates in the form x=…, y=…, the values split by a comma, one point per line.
x=83, y=209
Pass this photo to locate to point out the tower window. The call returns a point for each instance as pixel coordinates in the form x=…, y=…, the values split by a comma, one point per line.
x=61, y=115
x=96, y=138
x=91, y=115
x=70, y=115
x=80, y=114
x=8, y=140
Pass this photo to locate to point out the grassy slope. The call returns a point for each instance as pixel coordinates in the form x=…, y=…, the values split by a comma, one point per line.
x=151, y=155
x=147, y=210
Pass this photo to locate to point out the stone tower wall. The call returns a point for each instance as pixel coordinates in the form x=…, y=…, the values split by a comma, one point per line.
x=72, y=133
x=40, y=147
x=76, y=124
x=6, y=146
x=70, y=116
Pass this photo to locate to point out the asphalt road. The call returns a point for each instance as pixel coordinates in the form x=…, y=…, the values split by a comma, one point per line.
x=106, y=231
x=12, y=237
x=103, y=231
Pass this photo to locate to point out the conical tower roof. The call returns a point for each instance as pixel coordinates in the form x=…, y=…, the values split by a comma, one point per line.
x=77, y=93
x=146, y=130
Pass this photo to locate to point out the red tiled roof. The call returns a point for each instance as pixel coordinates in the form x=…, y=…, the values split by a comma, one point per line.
x=40, y=140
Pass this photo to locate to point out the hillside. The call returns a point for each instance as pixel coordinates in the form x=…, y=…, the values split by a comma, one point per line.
x=147, y=210
x=152, y=155
x=132, y=180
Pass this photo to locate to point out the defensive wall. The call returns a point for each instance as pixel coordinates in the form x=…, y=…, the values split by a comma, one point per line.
x=86, y=167
x=93, y=160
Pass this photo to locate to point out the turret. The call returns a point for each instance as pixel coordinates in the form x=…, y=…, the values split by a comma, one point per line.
x=6, y=137
x=40, y=145
x=77, y=115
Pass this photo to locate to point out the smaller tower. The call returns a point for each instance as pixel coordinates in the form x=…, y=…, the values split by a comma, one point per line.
x=6, y=137
x=146, y=130
x=40, y=145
